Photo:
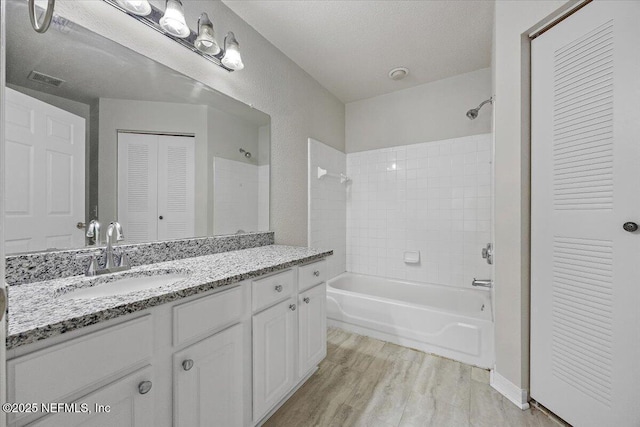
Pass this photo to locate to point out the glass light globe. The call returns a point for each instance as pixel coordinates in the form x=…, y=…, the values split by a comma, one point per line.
x=137, y=7
x=232, y=58
x=173, y=21
x=206, y=41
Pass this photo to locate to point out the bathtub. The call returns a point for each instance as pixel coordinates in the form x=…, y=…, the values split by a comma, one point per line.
x=451, y=322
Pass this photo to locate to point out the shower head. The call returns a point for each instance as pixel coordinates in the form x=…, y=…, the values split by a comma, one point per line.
x=246, y=153
x=473, y=113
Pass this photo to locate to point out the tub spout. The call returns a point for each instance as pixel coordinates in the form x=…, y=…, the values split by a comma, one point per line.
x=484, y=283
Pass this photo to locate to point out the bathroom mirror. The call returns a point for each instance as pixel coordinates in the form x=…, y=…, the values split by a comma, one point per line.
x=96, y=131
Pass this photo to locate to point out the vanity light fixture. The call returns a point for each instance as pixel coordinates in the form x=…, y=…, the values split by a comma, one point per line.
x=137, y=7
x=206, y=42
x=173, y=21
x=232, y=58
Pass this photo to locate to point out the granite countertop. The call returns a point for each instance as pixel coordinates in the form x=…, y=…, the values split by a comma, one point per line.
x=38, y=310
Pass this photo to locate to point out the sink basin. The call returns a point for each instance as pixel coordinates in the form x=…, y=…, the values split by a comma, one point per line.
x=122, y=286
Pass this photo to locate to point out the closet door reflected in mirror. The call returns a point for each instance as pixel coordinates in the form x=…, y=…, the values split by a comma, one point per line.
x=156, y=182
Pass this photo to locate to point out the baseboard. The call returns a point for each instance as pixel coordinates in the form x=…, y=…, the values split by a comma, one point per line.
x=516, y=395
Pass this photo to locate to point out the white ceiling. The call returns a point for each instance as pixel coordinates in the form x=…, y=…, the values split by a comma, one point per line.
x=350, y=46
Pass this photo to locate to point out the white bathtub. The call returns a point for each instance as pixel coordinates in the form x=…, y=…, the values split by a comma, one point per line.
x=451, y=322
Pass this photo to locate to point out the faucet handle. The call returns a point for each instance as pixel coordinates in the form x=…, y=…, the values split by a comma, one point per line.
x=124, y=258
x=92, y=268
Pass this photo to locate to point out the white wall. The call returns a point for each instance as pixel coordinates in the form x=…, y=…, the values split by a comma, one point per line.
x=236, y=196
x=298, y=105
x=228, y=133
x=327, y=205
x=429, y=112
x=434, y=198
x=513, y=20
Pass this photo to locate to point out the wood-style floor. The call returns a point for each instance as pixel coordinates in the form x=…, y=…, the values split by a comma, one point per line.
x=367, y=382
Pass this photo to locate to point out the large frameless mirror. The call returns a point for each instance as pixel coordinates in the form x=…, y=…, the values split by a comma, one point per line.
x=98, y=132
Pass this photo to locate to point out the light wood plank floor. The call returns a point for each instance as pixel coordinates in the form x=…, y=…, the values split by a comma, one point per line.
x=367, y=382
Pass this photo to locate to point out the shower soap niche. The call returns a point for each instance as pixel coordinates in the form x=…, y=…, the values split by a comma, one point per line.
x=412, y=257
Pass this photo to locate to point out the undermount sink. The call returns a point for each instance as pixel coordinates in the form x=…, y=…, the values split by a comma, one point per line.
x=122, y=286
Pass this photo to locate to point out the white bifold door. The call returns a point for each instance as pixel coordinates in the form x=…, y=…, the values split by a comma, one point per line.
x=44, y=175
x=585, y=254
x=156, y=186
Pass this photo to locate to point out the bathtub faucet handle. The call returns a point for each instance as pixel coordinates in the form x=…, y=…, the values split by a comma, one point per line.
x=487, y=253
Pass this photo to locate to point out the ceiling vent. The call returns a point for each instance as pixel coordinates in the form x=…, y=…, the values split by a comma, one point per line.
x=398, y=73
x=39, y=77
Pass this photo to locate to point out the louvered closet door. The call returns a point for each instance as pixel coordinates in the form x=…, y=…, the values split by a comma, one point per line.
x=176, y=187
x=585, y=268
x=138, y=186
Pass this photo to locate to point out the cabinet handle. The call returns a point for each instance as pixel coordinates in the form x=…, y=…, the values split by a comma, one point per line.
x=316, y=273
x=187, y=364
x=278, y=288
x=292, y=307
x=306, y=300
x=144, y=387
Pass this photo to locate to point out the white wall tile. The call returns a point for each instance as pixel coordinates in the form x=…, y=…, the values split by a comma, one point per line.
x=433, y=197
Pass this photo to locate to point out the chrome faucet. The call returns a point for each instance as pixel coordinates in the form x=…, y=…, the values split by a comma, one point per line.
x=93, y=231
x=110, y=266
x=109, y=263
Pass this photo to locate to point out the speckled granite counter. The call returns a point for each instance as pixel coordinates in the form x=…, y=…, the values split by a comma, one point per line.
x=37, y=311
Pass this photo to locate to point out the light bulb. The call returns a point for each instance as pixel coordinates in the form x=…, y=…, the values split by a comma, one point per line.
x=173, y=20
x=137, y=7
x=232, y=58
x=206, y=41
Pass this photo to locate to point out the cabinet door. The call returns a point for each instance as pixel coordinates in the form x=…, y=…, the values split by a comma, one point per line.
x=312, y=328
x=121, y=403
x=208, y=381
x=273, y=355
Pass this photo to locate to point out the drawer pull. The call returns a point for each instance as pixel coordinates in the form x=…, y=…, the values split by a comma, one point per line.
x=292, y=307
x=316, y=273
x=144, y=387
x=187, y=364
x=306, y=300
x=278, y=288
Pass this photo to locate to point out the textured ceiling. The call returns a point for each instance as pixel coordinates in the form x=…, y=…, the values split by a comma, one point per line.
x=350, y=46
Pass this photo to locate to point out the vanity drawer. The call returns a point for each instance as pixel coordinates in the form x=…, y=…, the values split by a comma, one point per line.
x=272, y=289
x=311, y=274
x=57, y=373
x=204, y=316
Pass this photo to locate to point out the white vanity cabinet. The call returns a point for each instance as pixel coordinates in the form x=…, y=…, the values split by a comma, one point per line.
x=208, y=381
x=274, y=352
x=121, y=401
x=312, y=328
x=289, y=336
x=227, y=358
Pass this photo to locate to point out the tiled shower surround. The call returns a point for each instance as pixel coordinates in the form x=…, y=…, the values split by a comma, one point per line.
x=431, y=197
